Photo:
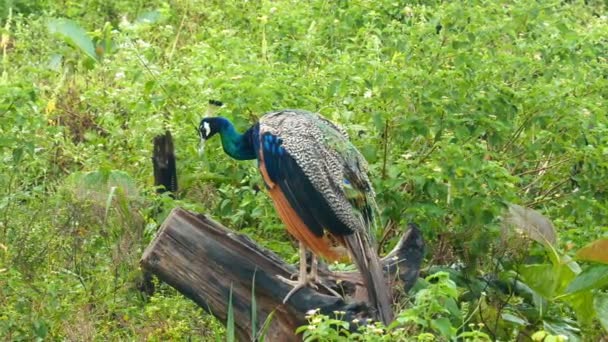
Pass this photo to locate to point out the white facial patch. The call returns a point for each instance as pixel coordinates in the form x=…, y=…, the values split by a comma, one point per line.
x=206, y=128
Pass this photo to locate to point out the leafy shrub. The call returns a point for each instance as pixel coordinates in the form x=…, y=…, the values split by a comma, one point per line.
x=460, y=107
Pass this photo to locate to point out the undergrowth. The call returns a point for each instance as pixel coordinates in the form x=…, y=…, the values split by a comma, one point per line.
x=462, y=108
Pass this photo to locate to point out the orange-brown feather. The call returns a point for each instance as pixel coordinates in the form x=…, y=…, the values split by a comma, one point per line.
x=324, y=246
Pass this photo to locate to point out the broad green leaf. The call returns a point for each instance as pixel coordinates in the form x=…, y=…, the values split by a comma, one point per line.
x=72, y=33
x=541, y=278
x=548, y=280
x=531, y=223
x=600, y=303
x=594, y=276
x=444, y=326
x=582, y=303
x=566, y=272
x=596, y=251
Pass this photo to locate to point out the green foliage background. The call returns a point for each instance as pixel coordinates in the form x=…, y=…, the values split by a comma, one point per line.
x=459, y=107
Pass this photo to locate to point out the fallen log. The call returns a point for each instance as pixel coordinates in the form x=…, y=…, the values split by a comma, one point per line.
x=209, y=263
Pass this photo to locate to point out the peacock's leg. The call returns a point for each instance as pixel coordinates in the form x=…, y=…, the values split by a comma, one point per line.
x=314, y=276
x=303, y=279
x=314, y=269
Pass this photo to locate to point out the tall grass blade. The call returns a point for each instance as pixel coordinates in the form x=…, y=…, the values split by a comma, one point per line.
x=254, y=308
x=264, y=330
x=230, y=320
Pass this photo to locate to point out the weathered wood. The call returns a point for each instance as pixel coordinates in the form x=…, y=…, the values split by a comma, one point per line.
x=206, y=262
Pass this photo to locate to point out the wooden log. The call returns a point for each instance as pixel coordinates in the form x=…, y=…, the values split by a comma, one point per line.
x=207, y=263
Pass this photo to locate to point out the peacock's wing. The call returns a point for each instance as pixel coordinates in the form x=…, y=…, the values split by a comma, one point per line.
x=319, y=171
x=318, y=182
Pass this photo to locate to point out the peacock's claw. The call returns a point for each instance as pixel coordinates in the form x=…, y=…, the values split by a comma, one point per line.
x=304, y=279
x=307, y=281
x=299, y=284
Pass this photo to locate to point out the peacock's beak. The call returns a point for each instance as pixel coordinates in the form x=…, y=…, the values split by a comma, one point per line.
x=201, y=147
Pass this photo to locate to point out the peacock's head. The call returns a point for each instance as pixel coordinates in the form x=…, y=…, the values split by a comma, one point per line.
x=208, y=128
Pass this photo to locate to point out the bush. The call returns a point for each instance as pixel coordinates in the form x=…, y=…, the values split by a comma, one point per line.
x=460, y=107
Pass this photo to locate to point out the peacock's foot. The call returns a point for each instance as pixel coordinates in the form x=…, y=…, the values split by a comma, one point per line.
x=299, y=284
x=303, y=282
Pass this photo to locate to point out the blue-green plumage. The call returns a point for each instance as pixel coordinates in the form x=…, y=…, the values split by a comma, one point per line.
x=309, y=204
x=238, y=146
x=322, y=176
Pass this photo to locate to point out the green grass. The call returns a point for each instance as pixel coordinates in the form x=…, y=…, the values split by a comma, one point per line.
x=458, y=106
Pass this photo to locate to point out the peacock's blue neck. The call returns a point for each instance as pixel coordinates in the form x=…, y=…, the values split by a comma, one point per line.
x=238, y=146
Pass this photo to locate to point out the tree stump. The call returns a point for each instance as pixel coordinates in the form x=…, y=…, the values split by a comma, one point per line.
x=208, y=263
x=165, y=180
x=163, y=162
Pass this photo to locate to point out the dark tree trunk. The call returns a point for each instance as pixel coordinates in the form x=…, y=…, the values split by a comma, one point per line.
x=163, y=161
x=207, y=262
x=165, y=180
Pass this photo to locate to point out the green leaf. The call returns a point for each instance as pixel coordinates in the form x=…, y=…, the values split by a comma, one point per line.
x=17, y=154
x=596, y=251
x=41, y=329
x=600, y=304
x=444, y=326
x=541, y=278
x=6, y=142
x=582, y=303
x=452, y=307
x=548, y=280
x=594, y=276
x=75, y=35
x=513, y=319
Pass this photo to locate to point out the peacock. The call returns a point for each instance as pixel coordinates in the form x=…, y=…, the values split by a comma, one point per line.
x=318, y=182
